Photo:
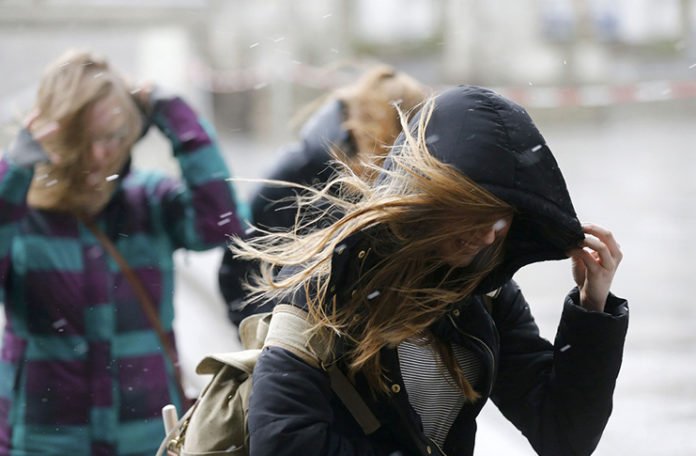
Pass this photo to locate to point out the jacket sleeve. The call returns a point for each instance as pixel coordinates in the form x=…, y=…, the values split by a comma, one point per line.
x=274, y=206
x=304, y=163
x=14, y=186
x=559, y=396
x=199, y=212
x=290, y=411
x=232, y=274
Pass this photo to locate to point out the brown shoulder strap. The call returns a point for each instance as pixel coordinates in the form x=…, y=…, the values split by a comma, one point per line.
x=145, y=302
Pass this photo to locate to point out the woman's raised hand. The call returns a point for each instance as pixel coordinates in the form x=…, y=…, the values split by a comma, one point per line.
x=27, y=148
x=594, y=266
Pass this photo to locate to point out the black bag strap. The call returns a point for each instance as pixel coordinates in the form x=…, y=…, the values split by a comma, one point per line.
x=352, y=400
x=291, y=330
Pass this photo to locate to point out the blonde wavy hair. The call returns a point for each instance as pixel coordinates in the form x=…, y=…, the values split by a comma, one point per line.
x=69, y=87
x=372, y=105
x=415, y=205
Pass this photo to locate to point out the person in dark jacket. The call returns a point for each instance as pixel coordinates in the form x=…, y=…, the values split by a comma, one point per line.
x=412, y=287
x=354, y=124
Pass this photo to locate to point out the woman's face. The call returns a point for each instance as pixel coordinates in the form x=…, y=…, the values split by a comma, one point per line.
x=109, y=138
x=460, y=250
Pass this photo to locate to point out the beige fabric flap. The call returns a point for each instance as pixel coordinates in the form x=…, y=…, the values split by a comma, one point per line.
x=289, y=329
x=253, y=329
x=244, y=360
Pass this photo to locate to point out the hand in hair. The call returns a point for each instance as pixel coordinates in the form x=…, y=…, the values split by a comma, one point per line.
x=146, y=96
x=594, y=266
x=142, y=96
x=26, y=150
x=145, y=101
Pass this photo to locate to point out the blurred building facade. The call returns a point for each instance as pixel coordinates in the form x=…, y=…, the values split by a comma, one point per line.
x=253, y=64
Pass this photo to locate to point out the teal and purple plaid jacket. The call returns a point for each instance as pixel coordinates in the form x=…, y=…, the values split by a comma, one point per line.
x=81, y=370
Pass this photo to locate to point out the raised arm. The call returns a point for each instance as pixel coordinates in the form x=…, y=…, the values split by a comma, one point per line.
x=200, y=211
x=559, y=396
x=16, y=173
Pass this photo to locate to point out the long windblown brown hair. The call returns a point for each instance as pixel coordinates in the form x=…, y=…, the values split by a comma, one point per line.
x=69, y=87
x=415, y=205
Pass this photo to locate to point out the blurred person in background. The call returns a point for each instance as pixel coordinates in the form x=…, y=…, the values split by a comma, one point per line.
x=82, y=370
x=411, y=289
x=355, y=125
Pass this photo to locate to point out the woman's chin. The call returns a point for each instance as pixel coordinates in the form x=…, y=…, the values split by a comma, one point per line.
x=460, y=261
x=93, y=181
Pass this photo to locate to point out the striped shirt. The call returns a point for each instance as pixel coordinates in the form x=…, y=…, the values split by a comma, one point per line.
x=81, y=369
x=431, y=389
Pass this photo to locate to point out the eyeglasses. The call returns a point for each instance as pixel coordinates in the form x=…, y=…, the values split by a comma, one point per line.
x=112, y=139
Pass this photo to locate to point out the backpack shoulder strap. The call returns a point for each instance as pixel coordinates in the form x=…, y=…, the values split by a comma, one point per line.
x=351, y=399
x=290, y=329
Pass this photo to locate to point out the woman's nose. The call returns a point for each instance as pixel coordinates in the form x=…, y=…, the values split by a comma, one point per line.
x=489, y=236
x=100, y=151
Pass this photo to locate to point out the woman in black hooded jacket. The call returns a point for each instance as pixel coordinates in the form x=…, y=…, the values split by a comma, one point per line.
x=412, y=287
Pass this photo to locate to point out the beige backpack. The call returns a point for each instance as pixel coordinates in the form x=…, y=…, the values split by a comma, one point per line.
x=216, y=424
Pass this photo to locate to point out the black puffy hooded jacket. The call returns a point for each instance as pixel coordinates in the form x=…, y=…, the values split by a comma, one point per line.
x=558, y=395
x=306, y=162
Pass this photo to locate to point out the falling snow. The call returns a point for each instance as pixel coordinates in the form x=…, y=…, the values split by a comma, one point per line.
x=373, y=295
x=432, y=139
x=60, y=323
x=188, y=135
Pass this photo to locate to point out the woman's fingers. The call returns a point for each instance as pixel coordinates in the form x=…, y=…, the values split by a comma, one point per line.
x=43, y=133
x=579, y=267
x=600, y=254
x=46, y=131
x=141, y=93
x=606, y=237
x=31, y=118
x=594, y=265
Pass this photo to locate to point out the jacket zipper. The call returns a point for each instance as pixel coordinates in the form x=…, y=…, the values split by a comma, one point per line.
x=432, y=442
x=484, y=345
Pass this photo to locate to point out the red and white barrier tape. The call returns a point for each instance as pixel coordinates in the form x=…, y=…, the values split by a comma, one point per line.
x=595, y=95
x=600, y=94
